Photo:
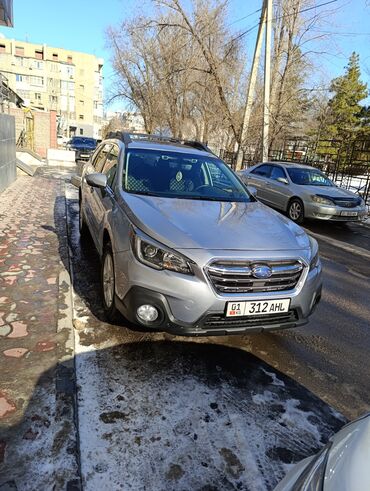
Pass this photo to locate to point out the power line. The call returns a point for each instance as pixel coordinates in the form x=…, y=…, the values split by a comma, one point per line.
x=343, y=33
x=245, y=17
x=281, y=17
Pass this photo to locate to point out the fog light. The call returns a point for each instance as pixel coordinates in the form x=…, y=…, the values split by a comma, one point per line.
x=147, y=313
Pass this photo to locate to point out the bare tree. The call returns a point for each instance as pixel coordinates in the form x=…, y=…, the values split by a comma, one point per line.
x=180, y=71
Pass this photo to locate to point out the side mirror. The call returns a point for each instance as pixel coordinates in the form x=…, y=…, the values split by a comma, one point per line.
x=252, y=190
x=97, y=180
x=284, y=180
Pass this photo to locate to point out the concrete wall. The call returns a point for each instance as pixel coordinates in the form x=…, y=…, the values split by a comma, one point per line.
x=8, y=169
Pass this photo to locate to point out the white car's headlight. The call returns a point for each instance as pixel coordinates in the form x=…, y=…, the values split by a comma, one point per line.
x=157, y=256
x=323, y=200
x=315, y=259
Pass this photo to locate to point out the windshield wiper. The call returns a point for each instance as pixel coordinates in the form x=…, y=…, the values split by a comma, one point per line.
x=146, y=193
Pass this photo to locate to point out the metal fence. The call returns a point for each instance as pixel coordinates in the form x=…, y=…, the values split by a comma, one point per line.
x=346, y=163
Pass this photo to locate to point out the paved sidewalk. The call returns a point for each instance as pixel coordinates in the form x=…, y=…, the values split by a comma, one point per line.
x=37, y=432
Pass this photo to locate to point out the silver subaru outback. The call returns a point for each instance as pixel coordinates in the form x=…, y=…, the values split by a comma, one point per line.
x=186, y=248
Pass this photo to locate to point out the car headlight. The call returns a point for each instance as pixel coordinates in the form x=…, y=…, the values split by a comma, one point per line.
x=315, y=259
x=157, y=256
x=323, y=200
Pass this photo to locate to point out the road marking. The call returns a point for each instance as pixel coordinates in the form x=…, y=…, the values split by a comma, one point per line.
x=341, y=245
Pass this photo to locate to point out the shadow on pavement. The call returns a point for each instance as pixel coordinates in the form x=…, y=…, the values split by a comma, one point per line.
x=170, y=415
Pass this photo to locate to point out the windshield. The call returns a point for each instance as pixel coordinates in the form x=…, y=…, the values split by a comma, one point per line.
x=308, y=177
x=78, y=139
x=181, y=175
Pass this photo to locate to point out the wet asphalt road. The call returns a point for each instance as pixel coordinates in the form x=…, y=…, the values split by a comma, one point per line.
x=329, y=356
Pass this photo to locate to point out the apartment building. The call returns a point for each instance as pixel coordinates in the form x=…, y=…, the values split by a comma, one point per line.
x=56, y=79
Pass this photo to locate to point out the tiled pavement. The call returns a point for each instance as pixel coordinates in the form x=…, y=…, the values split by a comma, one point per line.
x=37, y=434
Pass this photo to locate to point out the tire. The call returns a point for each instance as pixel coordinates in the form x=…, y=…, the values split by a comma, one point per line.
x=296, y=210
x=83, y=228
x=108, y=284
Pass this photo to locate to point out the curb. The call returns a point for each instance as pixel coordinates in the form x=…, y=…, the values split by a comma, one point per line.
x=341, y=245
x=66, y=369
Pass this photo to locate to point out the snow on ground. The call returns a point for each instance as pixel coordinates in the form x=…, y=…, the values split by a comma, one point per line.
x=187, y=416
x=43, y=445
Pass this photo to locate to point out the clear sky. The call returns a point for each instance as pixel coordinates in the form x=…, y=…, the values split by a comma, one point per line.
x=80, y=25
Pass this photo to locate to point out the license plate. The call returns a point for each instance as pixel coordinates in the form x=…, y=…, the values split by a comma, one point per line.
x=84, y=155
x=349, y=213
x=257, y=307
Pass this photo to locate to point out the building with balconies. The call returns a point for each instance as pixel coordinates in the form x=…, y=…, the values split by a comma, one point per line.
x=56, y=79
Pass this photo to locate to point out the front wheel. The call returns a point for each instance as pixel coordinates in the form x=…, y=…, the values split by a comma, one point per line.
x=108, y=284
x=296, y=210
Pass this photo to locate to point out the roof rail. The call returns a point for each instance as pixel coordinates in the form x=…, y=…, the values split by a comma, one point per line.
x=130, y=137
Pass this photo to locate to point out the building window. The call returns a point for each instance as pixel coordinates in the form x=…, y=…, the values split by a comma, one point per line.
x=53, y=83
x=81, y=116
x=39, y=81
x=37, y=96
x=20, y=78
x=39, y=65
x=81, y=131
x=55, y=56
x=39, y=54
x=82, y=103
x=19, y=51
x=82, y=87
x=53, y=99
x=69, y=59
x=19, y=61
x=54, y=67
x=70, y=71
x=2, y=48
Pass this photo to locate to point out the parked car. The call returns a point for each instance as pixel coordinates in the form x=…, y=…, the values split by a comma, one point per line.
x=342, y=465
x=62, y=140
x=83, y=146
x=186, y=248
x=303, y=192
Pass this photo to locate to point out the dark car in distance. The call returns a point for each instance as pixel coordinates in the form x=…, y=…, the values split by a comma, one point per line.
x=83, y=147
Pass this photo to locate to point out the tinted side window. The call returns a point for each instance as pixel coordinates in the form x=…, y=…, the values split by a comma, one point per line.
x=111, y=163
x=101, y=156
x=262, y=170
x=277, y=172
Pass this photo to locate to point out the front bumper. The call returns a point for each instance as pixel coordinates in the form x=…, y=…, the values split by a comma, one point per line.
x=335, y=213
x=188, y=305
x=211, y=323
x=83, y=154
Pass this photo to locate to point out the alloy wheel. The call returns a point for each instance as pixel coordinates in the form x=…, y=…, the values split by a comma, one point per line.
x=108, y=280
x=295, y=211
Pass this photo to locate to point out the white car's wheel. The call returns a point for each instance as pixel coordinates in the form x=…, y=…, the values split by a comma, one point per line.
x=296, y=210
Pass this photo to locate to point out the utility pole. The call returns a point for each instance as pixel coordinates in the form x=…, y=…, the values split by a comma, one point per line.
x=251, y=85
x=266, y=95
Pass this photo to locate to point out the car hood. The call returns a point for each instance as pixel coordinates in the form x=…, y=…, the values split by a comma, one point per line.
x=332, y=191
x=347, y=466
x=195, y=224
x=349, y=456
